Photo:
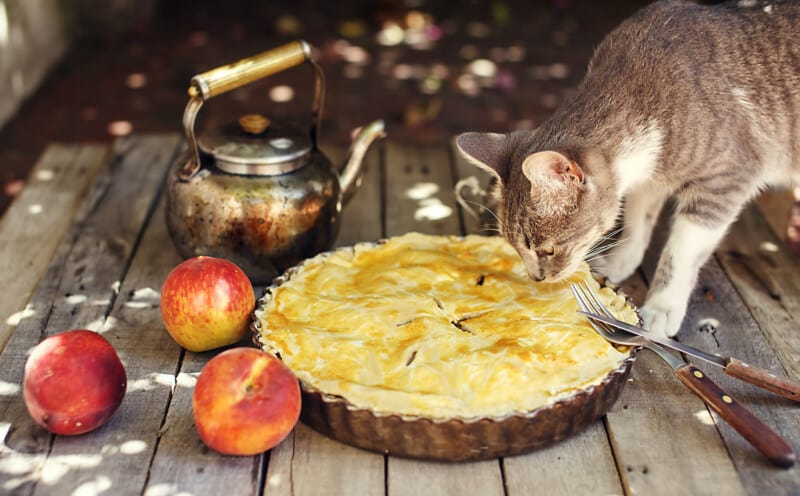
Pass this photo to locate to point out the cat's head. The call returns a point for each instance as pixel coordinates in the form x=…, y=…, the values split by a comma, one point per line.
x=551, y=207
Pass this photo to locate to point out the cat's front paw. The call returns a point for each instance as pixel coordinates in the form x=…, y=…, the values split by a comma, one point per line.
x=662, y=317
x=614, y=267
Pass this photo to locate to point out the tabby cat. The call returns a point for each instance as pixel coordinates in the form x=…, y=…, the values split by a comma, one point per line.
x=695, y=102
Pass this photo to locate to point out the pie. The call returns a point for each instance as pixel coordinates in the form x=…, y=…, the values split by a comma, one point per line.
x=436, y=327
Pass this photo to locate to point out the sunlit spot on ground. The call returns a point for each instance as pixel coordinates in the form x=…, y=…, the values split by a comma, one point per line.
x=432, y=209
x=75, y=299
x=58, y=466
x=275, y=480
x=9, y=389
x=769, y=247
x=483, y=68
x=35, y=209
x=45, y=175
x=151, y=381
x=15, y=318
x=99, y=485
x=120, y=128
x=131, y=447
x=102, y=324
x=136, y=80
x=143, y=298
x=422, y=190
x=281, y=93
x=3, y=23
x=391, y=34
x=187, y=380
x=704, y=417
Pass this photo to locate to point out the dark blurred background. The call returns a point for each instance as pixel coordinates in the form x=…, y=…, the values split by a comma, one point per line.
x=431, y=68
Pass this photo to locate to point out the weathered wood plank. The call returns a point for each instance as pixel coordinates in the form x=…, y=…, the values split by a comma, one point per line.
x=419, y=197
x=412, y=478
x=99, y=262
x=767, y=278
x=181, y=463
x=307, y=462
x=35, y=224
x=722, y=324
x=661, y=432
x=419, y=191
x=77, y=291
x=563, y=468
x=776, y=206
x=714, y=306
x=664, y=439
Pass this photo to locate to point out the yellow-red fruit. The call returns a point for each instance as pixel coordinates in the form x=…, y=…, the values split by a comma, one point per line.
x=245, y=402
x=207, y=303
x=73, y=382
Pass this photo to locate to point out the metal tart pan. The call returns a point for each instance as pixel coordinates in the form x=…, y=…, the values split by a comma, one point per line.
x=452, y=439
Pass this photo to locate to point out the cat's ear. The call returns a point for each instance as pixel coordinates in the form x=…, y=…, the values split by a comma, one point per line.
x=552, y=170
x=489, y=151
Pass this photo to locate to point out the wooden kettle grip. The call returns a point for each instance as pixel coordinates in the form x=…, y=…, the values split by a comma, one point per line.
x=764, y=439
x=763, y=378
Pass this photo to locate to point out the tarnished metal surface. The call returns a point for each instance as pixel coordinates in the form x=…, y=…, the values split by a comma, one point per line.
x=264, y=224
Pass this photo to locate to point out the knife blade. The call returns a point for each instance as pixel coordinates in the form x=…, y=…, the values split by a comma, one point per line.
x=732, y=366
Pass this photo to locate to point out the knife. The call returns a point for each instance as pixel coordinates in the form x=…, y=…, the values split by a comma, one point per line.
x=733, y=366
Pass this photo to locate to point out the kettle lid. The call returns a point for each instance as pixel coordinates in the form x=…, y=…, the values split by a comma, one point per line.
x=257, y=146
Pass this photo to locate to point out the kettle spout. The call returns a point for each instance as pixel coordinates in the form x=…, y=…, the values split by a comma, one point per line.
x=350, y=178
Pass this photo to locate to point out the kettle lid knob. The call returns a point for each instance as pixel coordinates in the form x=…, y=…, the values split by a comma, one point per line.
x=254, y=123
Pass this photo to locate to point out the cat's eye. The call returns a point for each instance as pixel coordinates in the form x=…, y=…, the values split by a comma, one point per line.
x=545, y=252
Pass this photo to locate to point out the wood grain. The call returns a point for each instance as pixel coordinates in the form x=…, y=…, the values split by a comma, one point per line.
x=307, y=462
x=99, y=265
x=661, y=433
x=419, y=197
x=181, y=463
x=35, y=224
x=81, y=285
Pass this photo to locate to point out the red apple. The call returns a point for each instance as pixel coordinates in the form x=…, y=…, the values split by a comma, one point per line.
x=206, y=303
x=245, y=402
x=73, y=382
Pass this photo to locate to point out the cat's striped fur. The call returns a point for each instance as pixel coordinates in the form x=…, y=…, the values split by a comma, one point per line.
x=699, y=103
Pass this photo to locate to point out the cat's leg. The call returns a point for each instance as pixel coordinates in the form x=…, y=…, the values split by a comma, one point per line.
x=642, y=208
x=689, y=245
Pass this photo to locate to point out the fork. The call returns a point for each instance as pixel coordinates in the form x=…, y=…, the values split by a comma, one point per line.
x=764, y=439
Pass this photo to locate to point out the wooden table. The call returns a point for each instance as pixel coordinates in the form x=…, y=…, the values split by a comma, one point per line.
x=85, y=245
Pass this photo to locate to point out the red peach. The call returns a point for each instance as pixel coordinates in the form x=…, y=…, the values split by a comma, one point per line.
x=206, y=303
x=73, y=382
x=245, y=402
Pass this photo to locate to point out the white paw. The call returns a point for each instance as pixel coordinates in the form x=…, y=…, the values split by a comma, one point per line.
x=662, y=317
x=614, y=267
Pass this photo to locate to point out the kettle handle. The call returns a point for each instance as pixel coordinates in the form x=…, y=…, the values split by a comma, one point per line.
x=231, y=76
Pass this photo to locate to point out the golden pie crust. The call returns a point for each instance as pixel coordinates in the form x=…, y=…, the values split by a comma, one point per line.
x=437, y=327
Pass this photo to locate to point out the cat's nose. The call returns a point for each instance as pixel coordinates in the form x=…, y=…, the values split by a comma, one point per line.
x=537, y=275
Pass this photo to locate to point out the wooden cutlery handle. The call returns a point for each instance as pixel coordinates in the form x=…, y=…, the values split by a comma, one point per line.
x=748, y=425
x=763, y=378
